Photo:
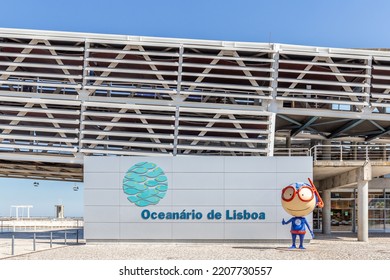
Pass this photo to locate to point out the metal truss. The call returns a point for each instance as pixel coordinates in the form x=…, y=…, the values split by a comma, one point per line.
x=65, y=95
x=41, y=170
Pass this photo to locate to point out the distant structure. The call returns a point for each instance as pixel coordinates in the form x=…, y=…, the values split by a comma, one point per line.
x=59, y=211
x=22, y=207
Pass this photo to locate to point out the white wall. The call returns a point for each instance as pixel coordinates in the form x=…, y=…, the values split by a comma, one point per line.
x=200, y=183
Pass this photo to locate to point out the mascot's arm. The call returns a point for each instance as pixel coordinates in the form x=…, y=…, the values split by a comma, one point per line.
x=308, y=227
x=285, y=223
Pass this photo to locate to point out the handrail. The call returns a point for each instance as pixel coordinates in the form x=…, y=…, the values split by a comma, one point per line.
x=339, y=152
x=291, y=152
x=351, y=152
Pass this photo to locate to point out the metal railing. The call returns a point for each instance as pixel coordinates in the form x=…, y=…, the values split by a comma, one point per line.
x=11, y=224
x=291, y=152
x=351, y=152
x=16, y=243
x=339, y=152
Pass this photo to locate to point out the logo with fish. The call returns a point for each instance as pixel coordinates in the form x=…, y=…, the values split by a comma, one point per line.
x=145, y=184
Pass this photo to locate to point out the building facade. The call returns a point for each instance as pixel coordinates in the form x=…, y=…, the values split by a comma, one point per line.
x=189, y=198
x=67, y=96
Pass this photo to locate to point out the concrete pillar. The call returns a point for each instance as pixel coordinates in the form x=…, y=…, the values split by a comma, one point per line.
x=326, y=150
x=288, y=142
x=362, y=210
x=355, y=153
x=326, y=212
x=354, y=212
x=364, y=176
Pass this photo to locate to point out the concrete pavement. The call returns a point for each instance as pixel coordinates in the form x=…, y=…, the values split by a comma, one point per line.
x=338, y=246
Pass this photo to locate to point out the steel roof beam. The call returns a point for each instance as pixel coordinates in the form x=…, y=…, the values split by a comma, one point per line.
x=344, y=128
x=298, y=123
x=378, y=135
x=304, y=126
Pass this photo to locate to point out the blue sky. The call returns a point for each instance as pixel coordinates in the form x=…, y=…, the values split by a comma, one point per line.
x=335, y=23
x=42, y=198
x=331, y=23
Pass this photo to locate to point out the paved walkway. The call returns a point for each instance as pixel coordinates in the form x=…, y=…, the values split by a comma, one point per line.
x=331, y=247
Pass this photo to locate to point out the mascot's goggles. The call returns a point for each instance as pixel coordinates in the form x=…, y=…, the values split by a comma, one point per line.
x=304, y=193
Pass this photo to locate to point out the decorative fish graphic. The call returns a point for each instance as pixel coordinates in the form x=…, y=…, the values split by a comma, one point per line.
x=145, y=184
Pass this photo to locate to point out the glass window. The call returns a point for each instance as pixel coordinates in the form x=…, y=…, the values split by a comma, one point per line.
x=317, y=219
x=316, y=225
x=376, y=224
x=375, y=195
x=342, y=195
x=376, y=203
x=335, y=195
x=342, y=204
x=341, y=107
x=376, y=214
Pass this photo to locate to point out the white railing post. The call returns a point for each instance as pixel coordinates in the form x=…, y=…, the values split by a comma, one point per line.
x=341, y=152
x=13, y=245
x=367, y=158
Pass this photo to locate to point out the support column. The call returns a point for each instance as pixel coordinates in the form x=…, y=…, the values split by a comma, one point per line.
x=326, y=212
x=364, y=175
x=288, y=142
x=362, y=210
x=271, y=135
x=273, y=104
x=354, y=212
x=326, y=150
x=355, y=151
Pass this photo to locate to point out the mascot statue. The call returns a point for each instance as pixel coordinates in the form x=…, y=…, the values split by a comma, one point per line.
x=299, y=200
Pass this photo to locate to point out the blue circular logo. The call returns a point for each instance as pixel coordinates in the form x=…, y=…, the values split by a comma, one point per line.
x=145, y=184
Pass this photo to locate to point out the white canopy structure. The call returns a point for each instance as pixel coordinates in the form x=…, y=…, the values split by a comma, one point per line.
x=65, y=95
x=22, y=208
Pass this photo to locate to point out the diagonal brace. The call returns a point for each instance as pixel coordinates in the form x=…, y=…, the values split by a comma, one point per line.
x=344, y=128
x=304, y=126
